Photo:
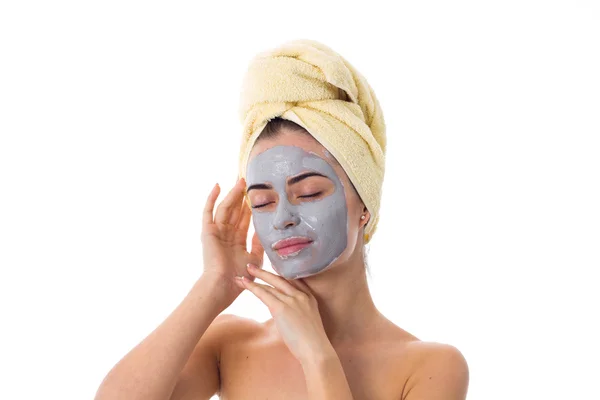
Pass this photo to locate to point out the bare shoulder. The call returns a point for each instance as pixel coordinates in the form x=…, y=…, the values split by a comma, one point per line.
x=228, y=328
x=438, y=371
x=225, y=322
x=425, y=354
x=206, y=358
x=431, y=370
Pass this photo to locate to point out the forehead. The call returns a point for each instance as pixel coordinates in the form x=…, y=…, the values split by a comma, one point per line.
x=281, y=162
x=290, y=153
x=290, y=138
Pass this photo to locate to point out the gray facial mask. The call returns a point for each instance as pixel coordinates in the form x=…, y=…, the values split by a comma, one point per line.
x=323, y=220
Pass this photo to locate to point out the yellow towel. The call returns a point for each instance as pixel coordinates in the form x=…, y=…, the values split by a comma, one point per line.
x=310, y=84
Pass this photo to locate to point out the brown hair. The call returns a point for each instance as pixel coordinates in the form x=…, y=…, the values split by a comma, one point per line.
x=276, y=125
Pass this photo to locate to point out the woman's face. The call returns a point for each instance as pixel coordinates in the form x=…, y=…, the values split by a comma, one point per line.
x=304, y=209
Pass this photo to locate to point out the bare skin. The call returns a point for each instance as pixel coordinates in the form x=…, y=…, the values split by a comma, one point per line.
x=254, y=363
x=326, y=340
x=380, y=360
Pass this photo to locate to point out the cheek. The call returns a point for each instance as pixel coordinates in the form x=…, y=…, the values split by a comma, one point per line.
x=262, y=223
x=337, y=213
x=328, y=216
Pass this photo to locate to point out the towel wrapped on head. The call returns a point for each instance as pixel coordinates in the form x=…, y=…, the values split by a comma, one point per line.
x=308, y=83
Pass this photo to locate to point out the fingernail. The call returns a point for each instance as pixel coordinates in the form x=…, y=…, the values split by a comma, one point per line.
x=251, y=266
x=240, y=279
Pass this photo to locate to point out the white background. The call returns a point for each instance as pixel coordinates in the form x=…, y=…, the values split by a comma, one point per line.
x=118, y=117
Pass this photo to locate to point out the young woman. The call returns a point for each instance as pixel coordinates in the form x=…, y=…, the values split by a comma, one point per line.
x=326, y=338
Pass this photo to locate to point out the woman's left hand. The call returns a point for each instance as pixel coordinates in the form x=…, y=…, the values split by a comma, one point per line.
x=295, y=312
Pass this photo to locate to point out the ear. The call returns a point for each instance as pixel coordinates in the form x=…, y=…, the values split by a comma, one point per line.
x=365, y=220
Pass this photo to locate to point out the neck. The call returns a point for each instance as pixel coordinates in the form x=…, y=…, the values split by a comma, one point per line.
x=345, y=303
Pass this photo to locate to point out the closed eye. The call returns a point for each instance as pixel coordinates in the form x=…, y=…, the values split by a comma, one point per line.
x=305, y=196
x=262, y=205
x=312, y=195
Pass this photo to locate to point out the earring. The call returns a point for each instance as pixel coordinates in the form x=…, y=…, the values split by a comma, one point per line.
x=362, y=217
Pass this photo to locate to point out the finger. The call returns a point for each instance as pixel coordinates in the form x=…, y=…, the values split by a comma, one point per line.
x=301, y=285
x=207, y=215
x=257, y=251
x=245, y=215
x=236, y=211
x=229, y=203
x=265, y=293
x=243, y=224
x=276, y=281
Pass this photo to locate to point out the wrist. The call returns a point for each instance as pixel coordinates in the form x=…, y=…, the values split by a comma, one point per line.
x=325, y=376
x=319, y=358
x=213, y=288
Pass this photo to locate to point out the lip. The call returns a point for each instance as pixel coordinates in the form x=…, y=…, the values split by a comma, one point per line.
x=291, y=246
x=292, y=250
x=291, y=241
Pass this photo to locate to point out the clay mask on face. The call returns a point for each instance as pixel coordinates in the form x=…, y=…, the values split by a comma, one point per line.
x=323, y=220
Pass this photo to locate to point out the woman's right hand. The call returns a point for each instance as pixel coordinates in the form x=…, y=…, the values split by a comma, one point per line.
x=224, y=242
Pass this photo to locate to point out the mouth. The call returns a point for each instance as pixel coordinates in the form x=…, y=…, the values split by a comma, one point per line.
x=291, y=246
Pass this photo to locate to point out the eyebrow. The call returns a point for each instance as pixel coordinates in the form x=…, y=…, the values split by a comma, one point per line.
x=292, y=181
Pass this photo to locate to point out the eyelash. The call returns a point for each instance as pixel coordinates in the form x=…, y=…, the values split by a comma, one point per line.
x=311, y=195
x=307, y=196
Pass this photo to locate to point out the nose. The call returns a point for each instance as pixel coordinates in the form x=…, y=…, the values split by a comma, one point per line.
x=285, y=217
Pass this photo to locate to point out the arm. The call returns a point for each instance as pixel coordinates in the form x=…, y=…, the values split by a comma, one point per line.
x=441, y=374
x=152, y=369
x=325, y=377
x=162, y=366
x=296, y=313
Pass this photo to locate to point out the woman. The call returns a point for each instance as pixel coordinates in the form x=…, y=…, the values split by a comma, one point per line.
x=314, y=207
